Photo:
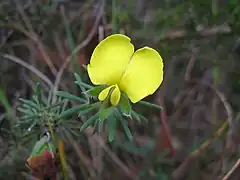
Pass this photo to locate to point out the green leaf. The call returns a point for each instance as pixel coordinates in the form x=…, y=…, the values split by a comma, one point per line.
x=105, y=112
x=143, y=118
x=64, y=106
x=96, y=126
x=4, y=101
x=81, y=84
x=25, y=111
x=29, y=103
x=115, y=16
x=72, y=110
x=95, y=90
x=26, y=106
x=136, y=116
x=77, y=77
x=89, y=122
x=161, y=175
x=38, y=93
x=216, y=75
x=30, y=117
x=38, y=146
x=89, y=109
x=139, y=117
x=125, y=126
x=58, y=104
x=112, y=122
x=215, y=7
x=145, y=103
x=35, y=99
x=84, y=85
x=125, y=105
x=34, y=123
x=70, y=96
x=50, y=96
x=133, y=148
x=41, y=145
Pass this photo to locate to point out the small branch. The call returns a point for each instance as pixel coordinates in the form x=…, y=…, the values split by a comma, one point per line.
x=29, y=67
x=32, y=35
x=100, y=141
x=204, y=32
x=84, y=160
x=227, y=107
x=182, y=169
x=187, y=76
x=165, y=137
x=237, y=164
x=77, y=49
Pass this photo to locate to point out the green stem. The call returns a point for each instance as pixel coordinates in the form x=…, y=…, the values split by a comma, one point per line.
x=114, y=17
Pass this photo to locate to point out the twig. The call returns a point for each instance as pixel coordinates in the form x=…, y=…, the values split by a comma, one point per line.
x=190, y=66
x=205, y=32
x=165, y=137
x=60, y=47
x=100, y=141
x=227, y=107
x=4, y=40
x=32, y=35
x=229, y=141
x=87, y=163
x=29, y=67
x=237, y=164
x=180, y=171
x=77, y=14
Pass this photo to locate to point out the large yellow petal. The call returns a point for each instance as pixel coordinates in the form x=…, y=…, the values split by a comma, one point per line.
x=143, y=75
x=109, y=59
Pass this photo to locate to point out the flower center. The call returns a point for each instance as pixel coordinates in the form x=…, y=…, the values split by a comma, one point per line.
x=111, y=93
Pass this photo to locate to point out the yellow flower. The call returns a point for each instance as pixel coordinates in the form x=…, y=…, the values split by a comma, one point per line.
x=114, y=63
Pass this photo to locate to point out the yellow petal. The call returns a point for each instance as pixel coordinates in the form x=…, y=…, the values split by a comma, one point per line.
x=115, y=96
x=109, y=59
x=104, y=93
x=143, y=75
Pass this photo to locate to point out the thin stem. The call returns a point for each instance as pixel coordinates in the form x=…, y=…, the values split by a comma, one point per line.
x=29, y=67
